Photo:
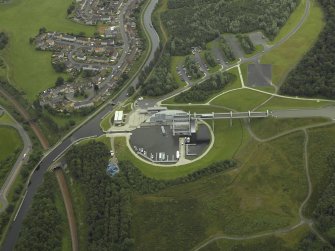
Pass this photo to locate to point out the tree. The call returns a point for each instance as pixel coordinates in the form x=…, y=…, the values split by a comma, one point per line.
x=59, y=66
x=131, y=91
x=70, y=9
x=59, y=81
x=42, y=30
x=3, y=40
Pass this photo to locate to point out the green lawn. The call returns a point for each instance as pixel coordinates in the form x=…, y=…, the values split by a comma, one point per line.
x=277, y=103
x=5, y=118
x=237, y=81
x=10, y=141
x=106, y=122
x=228, y=140
x=265, y=128
x=292, y=22
x=241, y=100
x=286, y=56
x=10, y=147
x=269, y=88
x=31, y=71
x=263, y=194
x=102, y=139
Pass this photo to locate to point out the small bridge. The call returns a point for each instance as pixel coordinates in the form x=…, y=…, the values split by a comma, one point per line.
x=231, y=115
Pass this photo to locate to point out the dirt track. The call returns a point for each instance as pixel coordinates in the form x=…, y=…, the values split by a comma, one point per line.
x=26, y=116
x=69, y=209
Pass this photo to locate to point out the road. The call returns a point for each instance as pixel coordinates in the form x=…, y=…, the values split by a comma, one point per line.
x=27, y=147
x=90, y=128
x=326, y=112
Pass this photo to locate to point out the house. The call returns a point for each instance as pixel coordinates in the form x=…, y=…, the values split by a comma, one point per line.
x=111, y=32
x=68, y=38
x=114, y=55
x=81, y=56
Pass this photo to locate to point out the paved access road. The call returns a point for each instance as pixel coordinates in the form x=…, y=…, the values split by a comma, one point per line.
x=326, y=112
x=27, y=146
x=90, y=128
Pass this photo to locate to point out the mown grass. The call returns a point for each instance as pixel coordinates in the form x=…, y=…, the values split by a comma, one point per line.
x=268, y=88
x=30, y=70
x=277, y=103
x=263, y=194
x=10, y=141
x=228, y=141
x=237, y=82
x=103, y=139
x=287, y=55
x=292, y=22
x=269, y=127
x=106, y=122
x=5, y=118
x=241, y=100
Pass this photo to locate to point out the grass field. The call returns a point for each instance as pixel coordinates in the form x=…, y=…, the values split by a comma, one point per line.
x=292, y=22
x=277, y=103
x=241, y=100
x=10, y=141
x=265, y=128
x=5, y=118
x=237, y=81
x=31, y=71
x=106, y=122
x=263, y=194
x=321, y=144
x=287, y=55
x=280, y=242
x=10, y=147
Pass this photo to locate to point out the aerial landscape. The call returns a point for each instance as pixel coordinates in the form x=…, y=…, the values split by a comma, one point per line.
x=167, y=125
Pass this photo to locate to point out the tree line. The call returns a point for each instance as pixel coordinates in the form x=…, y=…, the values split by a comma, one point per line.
x=42, y=228
x=201, y=92
x=160, y=81
x=324, y=212
x=246, y=43
x=195, y=22
x=192, y=68
x=3, y=40
x=227, y=51
x=315, y=74
x=109, y=199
